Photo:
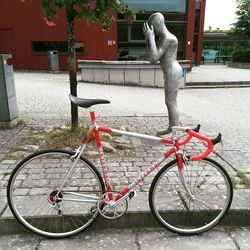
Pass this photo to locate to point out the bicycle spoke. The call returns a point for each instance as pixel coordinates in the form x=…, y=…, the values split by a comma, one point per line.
x=40, y=207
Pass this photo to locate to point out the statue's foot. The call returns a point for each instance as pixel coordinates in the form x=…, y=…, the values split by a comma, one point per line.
x=164, y=132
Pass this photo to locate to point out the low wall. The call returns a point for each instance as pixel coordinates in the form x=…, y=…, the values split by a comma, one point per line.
x=133, y=73
x=239, y=65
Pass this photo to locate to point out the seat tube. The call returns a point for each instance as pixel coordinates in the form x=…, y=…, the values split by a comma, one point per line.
x=101, y=154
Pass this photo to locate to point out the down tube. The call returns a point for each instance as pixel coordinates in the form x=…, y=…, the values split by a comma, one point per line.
x=146, y=173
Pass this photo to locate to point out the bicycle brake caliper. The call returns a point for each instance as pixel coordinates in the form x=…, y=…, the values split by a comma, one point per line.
x=73, y=157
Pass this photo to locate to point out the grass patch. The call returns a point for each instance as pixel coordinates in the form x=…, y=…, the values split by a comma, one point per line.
x=234, y=181
x=244, y=180
x=64, y=137
x=9, y=155
x=6, y=173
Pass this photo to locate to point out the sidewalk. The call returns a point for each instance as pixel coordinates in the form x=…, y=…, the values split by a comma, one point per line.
x=134, y=239
x=217, y=76
x=41, y=112
x=217, y=73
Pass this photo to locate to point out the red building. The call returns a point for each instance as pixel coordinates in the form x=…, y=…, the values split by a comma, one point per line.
x=25, y=34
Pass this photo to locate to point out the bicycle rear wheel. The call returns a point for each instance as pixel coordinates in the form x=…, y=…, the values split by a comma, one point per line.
x=34, y=199
x=211, y=196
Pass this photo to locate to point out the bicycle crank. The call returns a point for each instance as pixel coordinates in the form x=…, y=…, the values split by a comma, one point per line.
x=109, y=209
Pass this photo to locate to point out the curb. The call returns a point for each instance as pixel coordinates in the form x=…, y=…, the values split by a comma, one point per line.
x=139, y=216
x=230, y=84
x=235, y=218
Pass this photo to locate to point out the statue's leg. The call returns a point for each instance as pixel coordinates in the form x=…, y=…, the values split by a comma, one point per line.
x=171, y=103
x=171, y=91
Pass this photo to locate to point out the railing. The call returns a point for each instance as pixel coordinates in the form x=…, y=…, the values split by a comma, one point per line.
x=217, y=60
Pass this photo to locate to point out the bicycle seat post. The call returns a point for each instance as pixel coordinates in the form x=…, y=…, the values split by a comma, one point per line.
x=92, y=117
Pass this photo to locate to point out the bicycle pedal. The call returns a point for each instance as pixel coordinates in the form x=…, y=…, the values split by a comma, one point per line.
x=93, y=209
x=132, y=194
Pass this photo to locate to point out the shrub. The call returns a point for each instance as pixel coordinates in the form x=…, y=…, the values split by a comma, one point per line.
x=241, y=55
x=248, y=55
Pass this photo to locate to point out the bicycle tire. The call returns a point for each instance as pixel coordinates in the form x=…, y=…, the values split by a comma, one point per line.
x=34, y=183
x=174, y=209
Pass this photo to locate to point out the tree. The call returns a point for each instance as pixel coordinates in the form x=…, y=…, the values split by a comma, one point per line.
x=241, y=27
x=101, y=11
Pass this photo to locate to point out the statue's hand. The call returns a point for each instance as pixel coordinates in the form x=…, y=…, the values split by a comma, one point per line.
x=148, y=31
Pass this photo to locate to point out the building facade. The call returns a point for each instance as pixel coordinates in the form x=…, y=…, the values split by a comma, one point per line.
x=25, y=34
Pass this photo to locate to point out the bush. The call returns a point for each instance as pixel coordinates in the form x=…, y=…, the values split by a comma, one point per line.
x=248, y=55
x=241, y=55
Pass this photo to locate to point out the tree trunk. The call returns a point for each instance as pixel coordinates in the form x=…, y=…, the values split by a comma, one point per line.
x=70, y=12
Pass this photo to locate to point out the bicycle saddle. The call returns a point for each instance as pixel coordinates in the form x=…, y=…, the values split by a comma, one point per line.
x=86, y=103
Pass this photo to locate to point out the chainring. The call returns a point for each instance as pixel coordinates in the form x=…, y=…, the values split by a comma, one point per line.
x=108, y=210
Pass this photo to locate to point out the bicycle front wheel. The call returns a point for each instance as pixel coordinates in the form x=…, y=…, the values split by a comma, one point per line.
x=35, y=198
x=196, y=208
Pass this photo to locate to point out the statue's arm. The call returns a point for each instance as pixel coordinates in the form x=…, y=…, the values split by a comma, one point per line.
x=156, y=53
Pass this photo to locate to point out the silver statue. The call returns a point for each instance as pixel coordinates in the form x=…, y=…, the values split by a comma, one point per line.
x=166, y=52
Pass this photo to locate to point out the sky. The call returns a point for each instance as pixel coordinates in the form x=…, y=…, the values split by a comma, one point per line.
x=220, y=14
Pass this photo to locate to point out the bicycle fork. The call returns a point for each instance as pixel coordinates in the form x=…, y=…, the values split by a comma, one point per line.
x=181, y=159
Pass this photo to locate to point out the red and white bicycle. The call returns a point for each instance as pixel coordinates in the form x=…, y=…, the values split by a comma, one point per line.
x=58, y=193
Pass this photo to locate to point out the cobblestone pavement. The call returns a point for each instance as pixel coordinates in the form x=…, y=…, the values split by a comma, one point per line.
x=44, y=97
x=134, y=239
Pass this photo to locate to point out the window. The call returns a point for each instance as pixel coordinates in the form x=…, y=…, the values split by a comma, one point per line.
x=135, y=32
x=42, y=47
x=133, y=46
x=144, y=6
x=123, y=32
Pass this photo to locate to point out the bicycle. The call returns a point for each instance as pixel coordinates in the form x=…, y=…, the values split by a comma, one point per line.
x=58, y=193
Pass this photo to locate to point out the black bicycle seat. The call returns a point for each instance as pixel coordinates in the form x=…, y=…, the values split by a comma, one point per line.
x=86, y=103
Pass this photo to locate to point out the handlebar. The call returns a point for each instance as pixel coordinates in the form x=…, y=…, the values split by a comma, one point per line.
x=195, y=133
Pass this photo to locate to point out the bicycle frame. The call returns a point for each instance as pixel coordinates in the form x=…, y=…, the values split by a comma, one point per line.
x=124, y=193
x=63, y=192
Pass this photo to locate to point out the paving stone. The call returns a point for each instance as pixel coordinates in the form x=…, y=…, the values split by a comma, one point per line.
x=23, y=242
x=242, y=237
x=19, y=154
x=30, y=148
x=3, y=200
x=96, y=240
x=123, y=146
x=107, y=147
x=8, y=162
x=162, y=239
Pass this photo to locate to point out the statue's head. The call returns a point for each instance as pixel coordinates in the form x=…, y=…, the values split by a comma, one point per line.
x=158, y=22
